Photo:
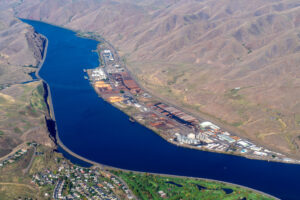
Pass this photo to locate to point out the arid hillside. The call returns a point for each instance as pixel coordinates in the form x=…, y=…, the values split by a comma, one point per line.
x=22, y=106
x=20, y=47
x=233, y=61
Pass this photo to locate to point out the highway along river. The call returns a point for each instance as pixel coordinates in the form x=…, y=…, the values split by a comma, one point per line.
x=94, y=129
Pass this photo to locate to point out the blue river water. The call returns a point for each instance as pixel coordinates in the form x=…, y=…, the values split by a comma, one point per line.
x=94, y=129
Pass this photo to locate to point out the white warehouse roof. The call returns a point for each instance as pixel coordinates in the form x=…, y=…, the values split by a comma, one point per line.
x=209, y=124
x=206, y=124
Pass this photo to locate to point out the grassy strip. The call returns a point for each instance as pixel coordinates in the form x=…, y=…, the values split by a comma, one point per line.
x=148, y=186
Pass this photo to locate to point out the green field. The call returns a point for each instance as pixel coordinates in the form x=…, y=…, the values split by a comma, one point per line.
x=147, y=186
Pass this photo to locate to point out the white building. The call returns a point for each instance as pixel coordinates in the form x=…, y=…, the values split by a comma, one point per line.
x=108, y=54
x=99, y=74
x=204, y=138
x=185, y=140
x=258, y=153
x=191, y=136
x=255, y=148
x=243, y=143
x=210, y=125
x=227, y=138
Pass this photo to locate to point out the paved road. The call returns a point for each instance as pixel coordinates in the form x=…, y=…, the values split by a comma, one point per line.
x=56, y=189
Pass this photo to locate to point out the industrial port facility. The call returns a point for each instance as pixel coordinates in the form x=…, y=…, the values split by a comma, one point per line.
x=113, y=82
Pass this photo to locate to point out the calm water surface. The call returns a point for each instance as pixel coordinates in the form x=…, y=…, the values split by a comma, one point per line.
x=96, y=130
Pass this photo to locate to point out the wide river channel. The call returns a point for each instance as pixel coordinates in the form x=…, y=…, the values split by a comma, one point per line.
x=94, y=129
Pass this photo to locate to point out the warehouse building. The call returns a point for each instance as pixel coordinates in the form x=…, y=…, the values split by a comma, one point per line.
x=209, y=125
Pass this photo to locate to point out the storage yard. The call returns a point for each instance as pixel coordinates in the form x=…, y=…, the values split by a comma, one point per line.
x=113, y=82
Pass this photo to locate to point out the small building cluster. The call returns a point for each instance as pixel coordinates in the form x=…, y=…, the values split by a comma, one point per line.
x=190, y=139
x=108, y=55
x=17, y=155
x=111, y=81
x=98, y=74
x=211, y=137
x=75, y=182
x=11, y=159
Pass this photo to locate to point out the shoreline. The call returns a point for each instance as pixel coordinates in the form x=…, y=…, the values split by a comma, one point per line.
x=51, y=112
x=106, y=167
x=194, y=147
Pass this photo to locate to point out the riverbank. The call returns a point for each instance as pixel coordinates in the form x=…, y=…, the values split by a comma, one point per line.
x=111, y=168
x=49, y=99
x=184, y=188
x=50, y=118
x=136, y=120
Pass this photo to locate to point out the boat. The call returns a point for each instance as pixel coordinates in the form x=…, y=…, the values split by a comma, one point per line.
x=131, y=119
x=84, y=70
x=85, y=77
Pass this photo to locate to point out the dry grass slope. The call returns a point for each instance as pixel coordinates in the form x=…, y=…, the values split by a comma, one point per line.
x=22, y=109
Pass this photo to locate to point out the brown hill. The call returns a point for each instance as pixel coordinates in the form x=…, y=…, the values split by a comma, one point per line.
x=18, y=47
x=194, y=53
x=21, y=105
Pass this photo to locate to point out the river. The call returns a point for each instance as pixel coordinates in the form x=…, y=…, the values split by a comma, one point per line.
x=94, y=129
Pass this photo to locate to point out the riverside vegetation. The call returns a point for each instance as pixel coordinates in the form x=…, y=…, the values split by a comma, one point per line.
x=148, y=186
